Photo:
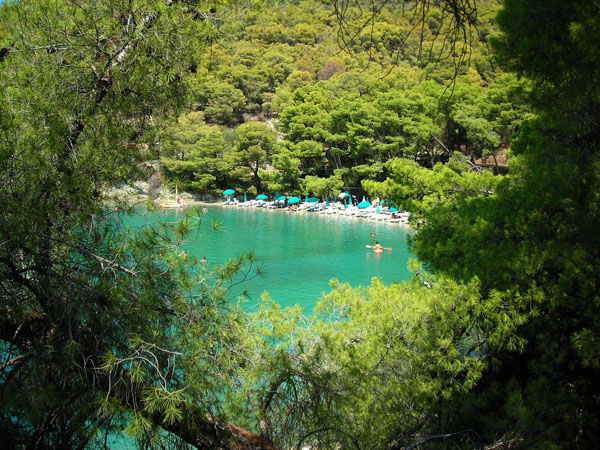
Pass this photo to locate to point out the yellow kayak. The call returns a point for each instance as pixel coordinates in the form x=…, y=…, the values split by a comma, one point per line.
x=378, y=249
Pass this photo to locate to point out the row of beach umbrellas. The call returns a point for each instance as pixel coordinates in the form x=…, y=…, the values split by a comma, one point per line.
x=293, y=200
x=277, y=197
x=228, y=192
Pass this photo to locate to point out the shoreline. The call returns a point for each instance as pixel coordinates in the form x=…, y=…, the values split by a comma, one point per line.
x=384, y=216
x=191, y=202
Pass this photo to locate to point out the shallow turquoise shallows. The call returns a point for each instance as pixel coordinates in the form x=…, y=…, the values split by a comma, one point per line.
x=298, y=252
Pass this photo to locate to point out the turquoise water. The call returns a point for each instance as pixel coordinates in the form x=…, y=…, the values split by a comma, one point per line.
x=298, y=252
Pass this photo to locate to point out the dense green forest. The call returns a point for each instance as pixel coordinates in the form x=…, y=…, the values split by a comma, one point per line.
x=481, y=118
x=321, y=115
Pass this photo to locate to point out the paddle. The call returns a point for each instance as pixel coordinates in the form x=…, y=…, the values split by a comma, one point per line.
x=385, y=248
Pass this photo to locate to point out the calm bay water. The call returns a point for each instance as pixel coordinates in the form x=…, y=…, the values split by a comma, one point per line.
x=298, y=252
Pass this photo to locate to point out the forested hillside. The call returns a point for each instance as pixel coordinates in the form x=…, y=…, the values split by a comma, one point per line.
x=493, y=343
x=341, y=106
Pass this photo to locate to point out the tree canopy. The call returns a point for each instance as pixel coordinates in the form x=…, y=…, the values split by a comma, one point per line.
x=494, y=341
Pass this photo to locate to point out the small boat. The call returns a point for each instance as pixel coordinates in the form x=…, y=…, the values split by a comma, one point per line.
x=170, y=204
x=178, y=203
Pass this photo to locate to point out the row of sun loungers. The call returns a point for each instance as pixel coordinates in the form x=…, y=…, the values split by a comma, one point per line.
x=369, y=213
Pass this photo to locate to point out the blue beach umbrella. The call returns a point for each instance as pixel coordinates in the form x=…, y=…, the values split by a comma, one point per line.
x=364, y=204
x=293, y=200
x=279, y=197
x=327, y=202
x=312, y=200
x=229, y=192
x=392, y=209
x=245, y=197
x=377, y=208
x=261, y=197
x=344, y=194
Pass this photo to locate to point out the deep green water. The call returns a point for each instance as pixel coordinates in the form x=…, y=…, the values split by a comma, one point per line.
x=298, y=252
